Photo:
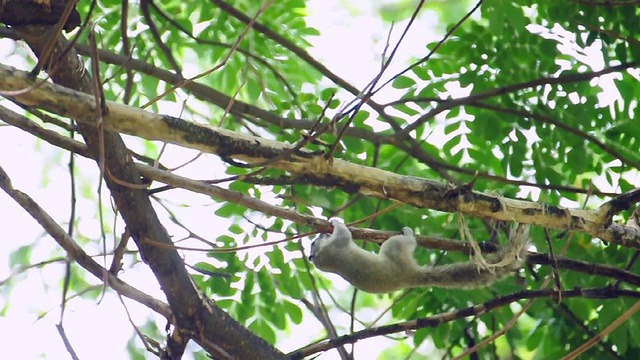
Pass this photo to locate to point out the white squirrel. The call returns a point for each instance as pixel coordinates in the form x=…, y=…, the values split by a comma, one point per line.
x=394, y=268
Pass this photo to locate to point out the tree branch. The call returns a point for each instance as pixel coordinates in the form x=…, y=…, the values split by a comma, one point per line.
x=350, y=177
x=253, y=113
x=206, y=323
x=477, y=310
x=76, y=252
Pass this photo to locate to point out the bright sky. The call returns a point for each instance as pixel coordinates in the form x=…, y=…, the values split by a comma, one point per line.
x=351, y=45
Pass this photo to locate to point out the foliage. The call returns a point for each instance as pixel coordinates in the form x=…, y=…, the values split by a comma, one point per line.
x=511, y=100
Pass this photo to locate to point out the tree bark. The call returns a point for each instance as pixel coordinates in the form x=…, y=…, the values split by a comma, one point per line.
x=194, y=314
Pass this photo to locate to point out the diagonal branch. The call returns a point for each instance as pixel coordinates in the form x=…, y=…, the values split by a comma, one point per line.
x=377, y=236
x=75, y=251
x=352, y=178
x=477, y=310
x=253, y=113
x=563, y=79
x=194, y=313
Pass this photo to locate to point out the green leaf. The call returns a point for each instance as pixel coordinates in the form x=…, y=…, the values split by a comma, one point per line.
x=229, y=210
x=403, y=82
x=246, y=308
x=275, y=314
x=21, y=256
x=294, y=312
x=262, y=329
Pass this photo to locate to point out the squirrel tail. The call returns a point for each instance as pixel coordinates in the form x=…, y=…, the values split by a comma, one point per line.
x=480, y=271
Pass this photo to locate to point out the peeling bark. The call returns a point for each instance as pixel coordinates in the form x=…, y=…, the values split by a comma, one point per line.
x=313, y=168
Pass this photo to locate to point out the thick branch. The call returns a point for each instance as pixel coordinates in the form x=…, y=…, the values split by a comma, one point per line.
x=315, y=169
x=206, y=323
x=253, y=113
x=36, y=12
x=292, y=215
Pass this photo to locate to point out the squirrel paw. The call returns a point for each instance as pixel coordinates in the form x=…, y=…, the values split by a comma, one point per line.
x=482, y=263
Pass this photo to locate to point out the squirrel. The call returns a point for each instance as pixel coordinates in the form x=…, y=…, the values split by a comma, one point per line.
x=394, y=268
